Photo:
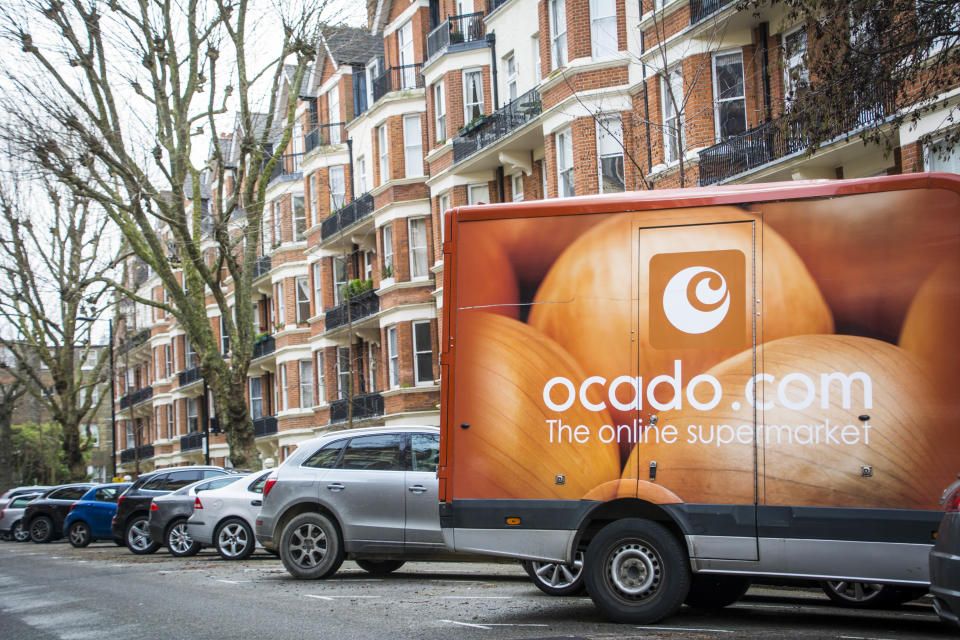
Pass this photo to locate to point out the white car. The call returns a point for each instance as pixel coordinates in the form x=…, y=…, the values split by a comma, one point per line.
x=224, y=517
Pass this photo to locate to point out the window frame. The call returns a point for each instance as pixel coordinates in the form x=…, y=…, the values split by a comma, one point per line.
x=338, y=199
x=667, y=83
x=516, y=195
x=306, y=388
x=416, y=250
x=597, y=23
x=564, y=141
x=393, y=358
x=388, y=252
x=412, y=149
x=302, y=289
x=338, y=284
x=343, y=375
x=558, y=38
x=716, y=94
x=320, y=397
x=299, y=218
x=439, y=112
x=419, y=350
x=384, y=153
x=194, y=426
x=476, y=105
x=511, y=76
x=333, y=100
x=284, y=381
x=791, y=62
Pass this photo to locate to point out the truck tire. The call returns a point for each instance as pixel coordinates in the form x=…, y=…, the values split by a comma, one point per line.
x=636, y=571
x=708, y=591
x=310, y=547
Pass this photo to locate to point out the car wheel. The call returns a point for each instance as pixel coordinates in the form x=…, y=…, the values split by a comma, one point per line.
x=19, y=533
x=310, y=547
x=379, y=567
x=863, y=595
x=636, y=571
x=137, y=537
x=715, y=592
x=234, y=540
x=41, y=529
x=557, y=578
x=180, y=543
x=79, y=534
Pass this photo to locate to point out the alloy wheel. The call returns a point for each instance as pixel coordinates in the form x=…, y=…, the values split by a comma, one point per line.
x=79, y=534
x=559, y=575
x=179, y=540
x=233, y=540
x=138, y=538
x=308, y=545
x=19, y=533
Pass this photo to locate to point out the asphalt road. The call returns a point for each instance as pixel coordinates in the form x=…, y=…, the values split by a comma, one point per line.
x=103, y=591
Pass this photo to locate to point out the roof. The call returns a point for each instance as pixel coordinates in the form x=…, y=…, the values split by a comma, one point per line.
x=352, y=46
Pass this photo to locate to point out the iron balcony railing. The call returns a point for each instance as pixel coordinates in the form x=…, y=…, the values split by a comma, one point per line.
x=369, y=405
x=265, y=426
x=133, y=341
x=323, y=135
x=700, y=10
x=189, y=376
x=288, y=167
x=264, y=347
x=497, y=125
x=191, y=441
x=785, y=136
x=454, y=30
x=398, y=79
x=143, y=452
x=351, y=213
x=261, y=266
x=136, y=397
x=360, y=306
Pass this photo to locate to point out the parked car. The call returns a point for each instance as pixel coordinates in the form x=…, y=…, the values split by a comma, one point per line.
x=167, y=522
x=557, y=578
x=130, y=522
x=89, y=517
x=10, y=494
x=11, y=517
x=224, y=517
x=44, y=516
x=945, y=558
x=367, y=494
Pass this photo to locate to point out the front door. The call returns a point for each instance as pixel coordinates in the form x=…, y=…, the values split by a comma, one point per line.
x=696, y=337
x=423, y=516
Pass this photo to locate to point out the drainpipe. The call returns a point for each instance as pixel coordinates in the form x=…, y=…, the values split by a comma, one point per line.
x=646, y=104
x=353, y=184
x=765, y=73
x=492, y=41
x=500, y=189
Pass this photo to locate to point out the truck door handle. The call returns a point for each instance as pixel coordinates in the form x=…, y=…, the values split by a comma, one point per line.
x=417, y=488
x=256, y=503
x=335, y=487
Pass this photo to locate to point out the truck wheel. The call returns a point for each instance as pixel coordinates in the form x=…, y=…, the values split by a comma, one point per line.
x=310, y=547
x=636, y=571
x=709, y=591
x=379, y=567
x=556, y=578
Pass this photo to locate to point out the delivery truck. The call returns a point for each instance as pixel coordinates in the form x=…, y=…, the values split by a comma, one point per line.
x=699, y=387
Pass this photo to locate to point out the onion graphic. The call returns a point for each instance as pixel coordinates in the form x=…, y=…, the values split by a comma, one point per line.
x=691, y=304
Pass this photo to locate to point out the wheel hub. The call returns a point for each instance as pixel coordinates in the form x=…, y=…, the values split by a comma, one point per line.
x=634, y=570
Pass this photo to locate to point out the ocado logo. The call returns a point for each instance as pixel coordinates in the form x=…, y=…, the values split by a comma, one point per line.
x=696, y=300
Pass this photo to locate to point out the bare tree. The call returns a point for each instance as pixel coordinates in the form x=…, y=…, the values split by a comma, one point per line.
x=115, y=98
x=52, y=267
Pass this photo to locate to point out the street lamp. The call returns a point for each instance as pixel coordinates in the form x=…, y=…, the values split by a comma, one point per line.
x=113, y=408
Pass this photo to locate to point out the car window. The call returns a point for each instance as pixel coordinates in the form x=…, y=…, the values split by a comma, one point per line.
x=326, y=457
x=257, y=485
x=107, y=494
x=211, y=473
x=155, y=483
x=69, y=493
x=21, y=501
x=218, y=483
x=373, y=453
x=180, y=479
x=425, y=450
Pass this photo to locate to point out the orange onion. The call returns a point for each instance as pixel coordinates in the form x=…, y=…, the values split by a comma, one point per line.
x=486, y=278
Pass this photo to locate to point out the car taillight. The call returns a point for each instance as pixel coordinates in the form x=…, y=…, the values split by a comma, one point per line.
x=272, y=480
x=120, y=501
x=951, y=502
x=72, y=507
x=154, y=507
x=197, y=504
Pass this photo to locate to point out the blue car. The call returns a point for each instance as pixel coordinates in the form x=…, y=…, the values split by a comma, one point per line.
x=90, y=516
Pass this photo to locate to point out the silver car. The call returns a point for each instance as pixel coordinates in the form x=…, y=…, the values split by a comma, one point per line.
x=167, y=522
x=367, y=494
x=11, y=516
x=224, y=517
x=945, y=558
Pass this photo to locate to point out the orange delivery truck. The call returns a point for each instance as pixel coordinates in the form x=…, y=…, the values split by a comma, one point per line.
x=699, y=387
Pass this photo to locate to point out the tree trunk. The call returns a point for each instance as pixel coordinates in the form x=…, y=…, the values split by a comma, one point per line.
x=6, y=441
x=236, y=423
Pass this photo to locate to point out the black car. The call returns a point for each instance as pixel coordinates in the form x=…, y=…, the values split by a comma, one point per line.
x=168, y=515
x=130, y=522
x=43, y=517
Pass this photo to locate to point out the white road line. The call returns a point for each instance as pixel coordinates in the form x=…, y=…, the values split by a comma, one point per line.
x=467, y=624
x=659, y=628
x=476, y=597
x=356, y=580
x=862, y=638
x=308, y=595
x=233, y=581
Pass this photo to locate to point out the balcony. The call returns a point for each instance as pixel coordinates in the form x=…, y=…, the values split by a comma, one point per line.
x=264, y=347
x=700, y=10
x=189, y=376
x=454, y=31
x=350, y=214
x=261, y=267
x=133, y=341
x=497, y=125
x=356, y=308
x=191, y=441
x=365, y=406
x=323, y=135
x=784, y=137
x=398, y=79
x=143, y=452
x=287, y=168
x=265, y=426
x=136, y=397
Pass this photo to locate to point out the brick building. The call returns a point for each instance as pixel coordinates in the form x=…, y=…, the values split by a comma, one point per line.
x=442, y=103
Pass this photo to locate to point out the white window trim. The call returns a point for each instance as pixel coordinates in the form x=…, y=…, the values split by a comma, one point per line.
x=568, y=135
x=426, y=247
x=555, y=36
x=439, y=111
x=466, y=113
x=416, y=363
x=600, y=131
x=393, y=356
x=300, y=301
x=416, y=170
x=716, y=93
x=383, y=153
x=665, y=83
x=284, y=404
x=253, y=397
x=321, y=383
x=787, y=83
x=594, y=20
x=308, y=385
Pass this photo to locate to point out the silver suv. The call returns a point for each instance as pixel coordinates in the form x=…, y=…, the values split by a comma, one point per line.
x=366, y=494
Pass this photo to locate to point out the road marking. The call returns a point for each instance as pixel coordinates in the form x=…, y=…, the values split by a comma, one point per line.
x=863, y=638
x=308, y=595
x=476, y=597
x=233, y=581
x=467, y=624
x=764, y=606
x=659, y=628
x=356, y=580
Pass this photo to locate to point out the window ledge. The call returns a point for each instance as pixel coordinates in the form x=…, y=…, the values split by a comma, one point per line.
x=415, y=389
